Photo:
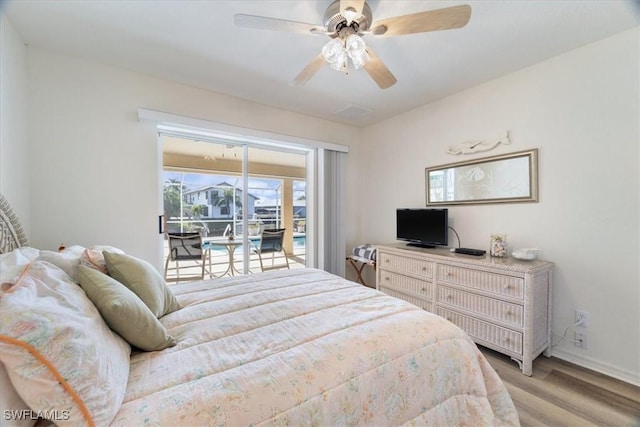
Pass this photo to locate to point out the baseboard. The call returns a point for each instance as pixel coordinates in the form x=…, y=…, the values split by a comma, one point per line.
x=595, y=365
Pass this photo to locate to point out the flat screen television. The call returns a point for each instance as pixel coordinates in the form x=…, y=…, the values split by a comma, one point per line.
x=425, y=228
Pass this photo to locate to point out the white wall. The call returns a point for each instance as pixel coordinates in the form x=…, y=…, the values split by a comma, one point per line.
x=85, y=159
x=94, y=165
x=14, y=143
x=581, y=110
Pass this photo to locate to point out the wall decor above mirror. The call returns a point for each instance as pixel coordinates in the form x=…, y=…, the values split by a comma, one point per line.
x=506, y=178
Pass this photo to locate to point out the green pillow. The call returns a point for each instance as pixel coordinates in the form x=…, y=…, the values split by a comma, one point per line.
x=123, y=311
x=144, y=280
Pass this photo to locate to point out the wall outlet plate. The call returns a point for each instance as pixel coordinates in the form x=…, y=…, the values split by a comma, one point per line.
x=582, y=318
x=581, y=340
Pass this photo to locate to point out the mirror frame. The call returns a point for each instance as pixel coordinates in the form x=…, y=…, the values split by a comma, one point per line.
x=531, y=155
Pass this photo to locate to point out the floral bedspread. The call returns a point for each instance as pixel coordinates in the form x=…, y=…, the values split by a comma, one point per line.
x=304, y=347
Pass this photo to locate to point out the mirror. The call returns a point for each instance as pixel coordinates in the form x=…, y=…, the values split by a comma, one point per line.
x=505, y=178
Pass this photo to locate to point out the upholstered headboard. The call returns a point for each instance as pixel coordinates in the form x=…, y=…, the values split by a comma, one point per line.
x=11, y=233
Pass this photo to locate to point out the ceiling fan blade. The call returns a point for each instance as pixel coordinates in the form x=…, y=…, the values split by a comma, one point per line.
x=275, y=24
x=378, y=71
x=307, y=72
x=433, y=20
x=356, y=5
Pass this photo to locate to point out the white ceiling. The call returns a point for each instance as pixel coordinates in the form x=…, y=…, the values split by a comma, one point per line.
x=197, y=43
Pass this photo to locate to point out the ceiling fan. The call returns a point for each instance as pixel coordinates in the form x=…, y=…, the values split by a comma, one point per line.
x=346, y=21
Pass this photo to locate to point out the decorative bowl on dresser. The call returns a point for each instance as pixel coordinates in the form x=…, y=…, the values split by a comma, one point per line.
x=502, y=303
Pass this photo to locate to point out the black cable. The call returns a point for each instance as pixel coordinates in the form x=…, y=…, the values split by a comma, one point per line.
x=456, y=233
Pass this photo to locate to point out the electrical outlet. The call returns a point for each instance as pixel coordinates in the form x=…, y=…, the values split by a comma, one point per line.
x=581, y=340
x=582, y=318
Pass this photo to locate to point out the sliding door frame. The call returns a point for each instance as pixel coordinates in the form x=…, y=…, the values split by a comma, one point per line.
x=204, y=130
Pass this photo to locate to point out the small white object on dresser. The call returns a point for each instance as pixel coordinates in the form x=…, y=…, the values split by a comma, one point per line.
x=502, y=303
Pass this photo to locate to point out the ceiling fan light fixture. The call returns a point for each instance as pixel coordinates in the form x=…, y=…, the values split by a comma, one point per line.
x=354, y=45
x=359, y=61
x=340, y=63
x=337, y=51
x=333, y=50
x=335, y=54
x=357, y=50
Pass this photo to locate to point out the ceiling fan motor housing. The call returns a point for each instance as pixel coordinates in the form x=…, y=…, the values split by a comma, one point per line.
x=334, y=21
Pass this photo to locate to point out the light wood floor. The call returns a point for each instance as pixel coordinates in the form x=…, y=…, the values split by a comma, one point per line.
x=562, y=394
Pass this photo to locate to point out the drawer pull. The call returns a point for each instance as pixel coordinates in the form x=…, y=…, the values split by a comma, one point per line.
x=449, y=297
x=423, y=289
x=506, y=287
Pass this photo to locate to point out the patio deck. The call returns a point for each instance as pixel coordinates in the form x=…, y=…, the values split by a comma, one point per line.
x=220, y=263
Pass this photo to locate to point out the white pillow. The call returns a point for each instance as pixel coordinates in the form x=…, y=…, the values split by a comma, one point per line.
x=68, y=260
x=59, y=353
x=12, y=263
x=15, y=413
x=108, y=249
x=73, y=249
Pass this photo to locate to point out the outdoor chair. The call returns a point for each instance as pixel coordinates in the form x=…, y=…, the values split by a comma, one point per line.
x=185, y=247
x=270, y=243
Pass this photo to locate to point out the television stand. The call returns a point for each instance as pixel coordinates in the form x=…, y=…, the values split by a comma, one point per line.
x=504, y=304
x=421, y=245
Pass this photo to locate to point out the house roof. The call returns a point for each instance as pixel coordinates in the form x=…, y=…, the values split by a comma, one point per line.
x=223, y=185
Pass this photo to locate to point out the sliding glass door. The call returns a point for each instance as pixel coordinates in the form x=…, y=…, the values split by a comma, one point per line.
x=231, y=194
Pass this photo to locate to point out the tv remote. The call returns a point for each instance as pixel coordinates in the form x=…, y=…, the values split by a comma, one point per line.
x=469, y=251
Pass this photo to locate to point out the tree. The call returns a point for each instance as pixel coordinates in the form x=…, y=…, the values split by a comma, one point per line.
x=198, y=210
x=172, y=192
x=227, y=200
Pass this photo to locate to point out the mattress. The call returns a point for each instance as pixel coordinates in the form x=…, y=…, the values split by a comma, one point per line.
x=304, y=347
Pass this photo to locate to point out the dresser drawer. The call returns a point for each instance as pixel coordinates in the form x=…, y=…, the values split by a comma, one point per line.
x=405, y=284
x=424, y=304
x=402, y=264
x=495, y=283
x=480, y=331
x=489, y=308
x=502, y=304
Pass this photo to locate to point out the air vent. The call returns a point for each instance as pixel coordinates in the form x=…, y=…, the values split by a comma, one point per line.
x=352, y=111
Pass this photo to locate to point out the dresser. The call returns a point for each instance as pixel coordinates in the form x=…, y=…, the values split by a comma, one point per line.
x=502, y=303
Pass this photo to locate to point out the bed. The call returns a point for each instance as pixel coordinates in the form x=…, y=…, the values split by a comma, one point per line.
x=291, y=347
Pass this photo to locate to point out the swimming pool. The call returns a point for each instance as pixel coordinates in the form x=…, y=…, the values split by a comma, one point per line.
x=299, y=241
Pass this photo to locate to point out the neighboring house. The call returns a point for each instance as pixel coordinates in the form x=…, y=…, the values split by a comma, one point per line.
x=272, y=208
x=219, y=200
x=270, y=211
